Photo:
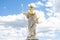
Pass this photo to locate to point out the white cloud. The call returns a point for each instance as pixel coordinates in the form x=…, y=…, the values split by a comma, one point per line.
x=10, y=33
x=49, y=39
x=49, y=12
x=50, y=8
x=56, y=11
x=57, y=15
x=56, y=4
x=14, y=27
x=33, y=4
x=39, y=3
x=36, y=4
x=11, y=17
x=13, y=30
x=49, y=4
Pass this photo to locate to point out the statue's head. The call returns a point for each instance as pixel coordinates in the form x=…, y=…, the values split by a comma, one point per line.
x=31, y=9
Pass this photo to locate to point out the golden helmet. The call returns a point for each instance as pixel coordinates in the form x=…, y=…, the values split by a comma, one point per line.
x=31, y=10
x=31, y=6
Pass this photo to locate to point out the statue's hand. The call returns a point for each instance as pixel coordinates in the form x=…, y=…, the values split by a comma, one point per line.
x=24, y=13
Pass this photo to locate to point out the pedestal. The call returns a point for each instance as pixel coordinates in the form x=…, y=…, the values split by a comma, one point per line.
x=31, y=38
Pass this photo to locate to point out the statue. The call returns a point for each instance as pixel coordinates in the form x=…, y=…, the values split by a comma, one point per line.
x=32, y=21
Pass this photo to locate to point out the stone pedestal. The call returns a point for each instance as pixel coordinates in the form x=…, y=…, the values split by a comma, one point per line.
x=31, y=38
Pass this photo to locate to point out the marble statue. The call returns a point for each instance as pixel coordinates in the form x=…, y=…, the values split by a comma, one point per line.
x=32, y=21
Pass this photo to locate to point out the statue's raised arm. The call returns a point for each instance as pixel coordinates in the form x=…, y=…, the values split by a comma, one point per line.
x=26, y=14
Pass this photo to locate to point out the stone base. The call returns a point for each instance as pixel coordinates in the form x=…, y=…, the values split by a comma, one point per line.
x=32, y=39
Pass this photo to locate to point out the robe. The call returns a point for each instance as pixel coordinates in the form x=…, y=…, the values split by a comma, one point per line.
x=32, y=21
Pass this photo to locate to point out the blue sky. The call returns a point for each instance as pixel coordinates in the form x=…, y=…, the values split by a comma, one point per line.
x=13, y=24
x=10, y=7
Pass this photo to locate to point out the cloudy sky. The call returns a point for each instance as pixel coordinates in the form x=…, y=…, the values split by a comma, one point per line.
x=13, y=24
